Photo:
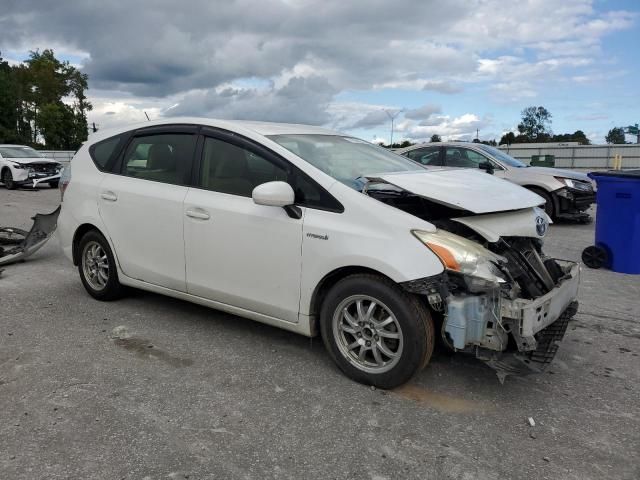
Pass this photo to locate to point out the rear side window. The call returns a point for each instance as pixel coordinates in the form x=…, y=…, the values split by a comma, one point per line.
x=161, y=157
x=102, y=152
x=426, y=156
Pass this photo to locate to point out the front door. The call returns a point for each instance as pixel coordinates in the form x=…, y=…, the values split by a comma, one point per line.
x=239, y=253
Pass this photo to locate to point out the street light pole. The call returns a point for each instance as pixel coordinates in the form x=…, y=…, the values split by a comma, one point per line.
x=392, y=117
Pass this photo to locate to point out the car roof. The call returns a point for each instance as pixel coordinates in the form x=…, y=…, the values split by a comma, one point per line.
x=437, y=144
x=260, y=128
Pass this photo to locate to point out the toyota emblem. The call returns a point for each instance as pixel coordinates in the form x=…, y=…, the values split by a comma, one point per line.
x=541, y=226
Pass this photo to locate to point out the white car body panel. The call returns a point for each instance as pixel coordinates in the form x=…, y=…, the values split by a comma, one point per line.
x=244, y=254
x=466, y=189
x=520, y=223
x=150, y=247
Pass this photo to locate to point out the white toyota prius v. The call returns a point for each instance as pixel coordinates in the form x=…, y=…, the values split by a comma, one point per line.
x=317, y=232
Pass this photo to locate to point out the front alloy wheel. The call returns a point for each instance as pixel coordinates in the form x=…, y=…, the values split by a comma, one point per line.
x=367, y=334
x=375, y=331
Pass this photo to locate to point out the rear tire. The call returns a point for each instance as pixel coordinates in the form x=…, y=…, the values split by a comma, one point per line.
x=375, y=332
x=7, y=179
x=97, y=267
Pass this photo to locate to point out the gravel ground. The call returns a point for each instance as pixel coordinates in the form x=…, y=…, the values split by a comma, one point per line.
x=195, y=393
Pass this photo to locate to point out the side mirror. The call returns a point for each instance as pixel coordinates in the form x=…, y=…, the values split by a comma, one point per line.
x=277, y=194
x=273, y=194
x=487, y=167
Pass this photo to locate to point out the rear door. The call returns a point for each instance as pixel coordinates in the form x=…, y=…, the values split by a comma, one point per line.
x=141, y=204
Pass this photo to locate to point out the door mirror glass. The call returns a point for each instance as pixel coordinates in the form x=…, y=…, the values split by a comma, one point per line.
x=273, y=194
x=487, y=167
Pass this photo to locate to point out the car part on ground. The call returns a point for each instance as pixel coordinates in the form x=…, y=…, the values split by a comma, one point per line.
x=17, y=244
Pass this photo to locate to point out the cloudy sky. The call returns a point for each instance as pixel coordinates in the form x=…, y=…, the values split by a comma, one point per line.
x=449, y=67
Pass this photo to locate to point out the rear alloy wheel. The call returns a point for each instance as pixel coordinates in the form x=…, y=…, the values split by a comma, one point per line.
x=7, y=179
x=377, y=333
x=97, y=268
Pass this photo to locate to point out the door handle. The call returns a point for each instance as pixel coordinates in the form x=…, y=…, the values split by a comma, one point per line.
x=197, y=213
x=110, y=196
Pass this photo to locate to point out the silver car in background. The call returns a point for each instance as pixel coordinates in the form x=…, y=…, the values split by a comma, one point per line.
x=568, y=194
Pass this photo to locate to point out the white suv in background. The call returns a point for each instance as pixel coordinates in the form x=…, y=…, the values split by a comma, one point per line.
x=23, y=166
x=313, y=231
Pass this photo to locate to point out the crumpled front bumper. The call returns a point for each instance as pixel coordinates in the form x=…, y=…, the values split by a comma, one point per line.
x=484, y=323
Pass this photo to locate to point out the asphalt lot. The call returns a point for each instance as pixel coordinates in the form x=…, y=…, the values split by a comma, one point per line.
x=195, y=393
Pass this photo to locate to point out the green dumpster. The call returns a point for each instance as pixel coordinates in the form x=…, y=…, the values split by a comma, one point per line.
x=543, y=161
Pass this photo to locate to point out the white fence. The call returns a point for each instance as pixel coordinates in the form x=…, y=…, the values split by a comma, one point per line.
x=593, y=157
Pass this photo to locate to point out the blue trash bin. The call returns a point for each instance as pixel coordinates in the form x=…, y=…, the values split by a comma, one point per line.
x=617, y=222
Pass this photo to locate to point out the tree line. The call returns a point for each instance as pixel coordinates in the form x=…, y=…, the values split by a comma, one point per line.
x=43, y=103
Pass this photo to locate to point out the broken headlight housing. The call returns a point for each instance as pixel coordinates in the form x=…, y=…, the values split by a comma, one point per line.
x=476, y=264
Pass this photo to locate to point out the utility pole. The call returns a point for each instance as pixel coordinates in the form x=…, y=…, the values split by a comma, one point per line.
x=477, y=134
x=392, y=117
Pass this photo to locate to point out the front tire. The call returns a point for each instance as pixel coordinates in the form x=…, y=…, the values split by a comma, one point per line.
x=375, y=332
x=97, y=268
x=549, y=206
x=7, y=179
x=54, y=184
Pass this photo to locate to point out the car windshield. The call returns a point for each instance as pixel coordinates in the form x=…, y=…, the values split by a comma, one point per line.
x=346, y=159
x=503, y=157
x=18, y=152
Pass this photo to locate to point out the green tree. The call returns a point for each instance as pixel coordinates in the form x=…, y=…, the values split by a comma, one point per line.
x=616, y=136
x=535, y=124
x=43, y=102
x=435, y=138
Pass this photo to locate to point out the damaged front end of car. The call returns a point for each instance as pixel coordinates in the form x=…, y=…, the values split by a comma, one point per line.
x=17, y=244
x=500, y=297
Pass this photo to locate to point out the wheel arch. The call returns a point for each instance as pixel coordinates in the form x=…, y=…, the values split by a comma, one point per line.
x=77, y=236
x=331, y=278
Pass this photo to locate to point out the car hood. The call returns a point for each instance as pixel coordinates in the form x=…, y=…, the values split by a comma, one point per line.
x=557, y=172
x=465, y=189
x=31, y=160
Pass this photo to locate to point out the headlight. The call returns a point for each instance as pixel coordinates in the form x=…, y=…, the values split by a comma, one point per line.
x=463, y=256
x=575, y=184
x=20, y=166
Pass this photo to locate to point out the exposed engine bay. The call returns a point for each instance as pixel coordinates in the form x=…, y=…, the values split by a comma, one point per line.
x=514, y=322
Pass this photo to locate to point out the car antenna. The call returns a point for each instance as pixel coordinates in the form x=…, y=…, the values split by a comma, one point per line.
x=145, y=114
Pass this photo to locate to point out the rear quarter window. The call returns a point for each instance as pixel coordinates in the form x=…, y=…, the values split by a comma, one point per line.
x=104, y=150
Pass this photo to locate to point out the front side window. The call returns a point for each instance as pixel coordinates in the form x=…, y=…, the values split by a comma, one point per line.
x=346, y=159
x=463, y=158
x=503, y=157
x=227, y=168
x=426, y=156
x=161, y=157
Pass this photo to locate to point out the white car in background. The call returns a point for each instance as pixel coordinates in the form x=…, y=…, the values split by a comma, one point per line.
x=567, y=194
x=314, y=231
x=23, y=166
